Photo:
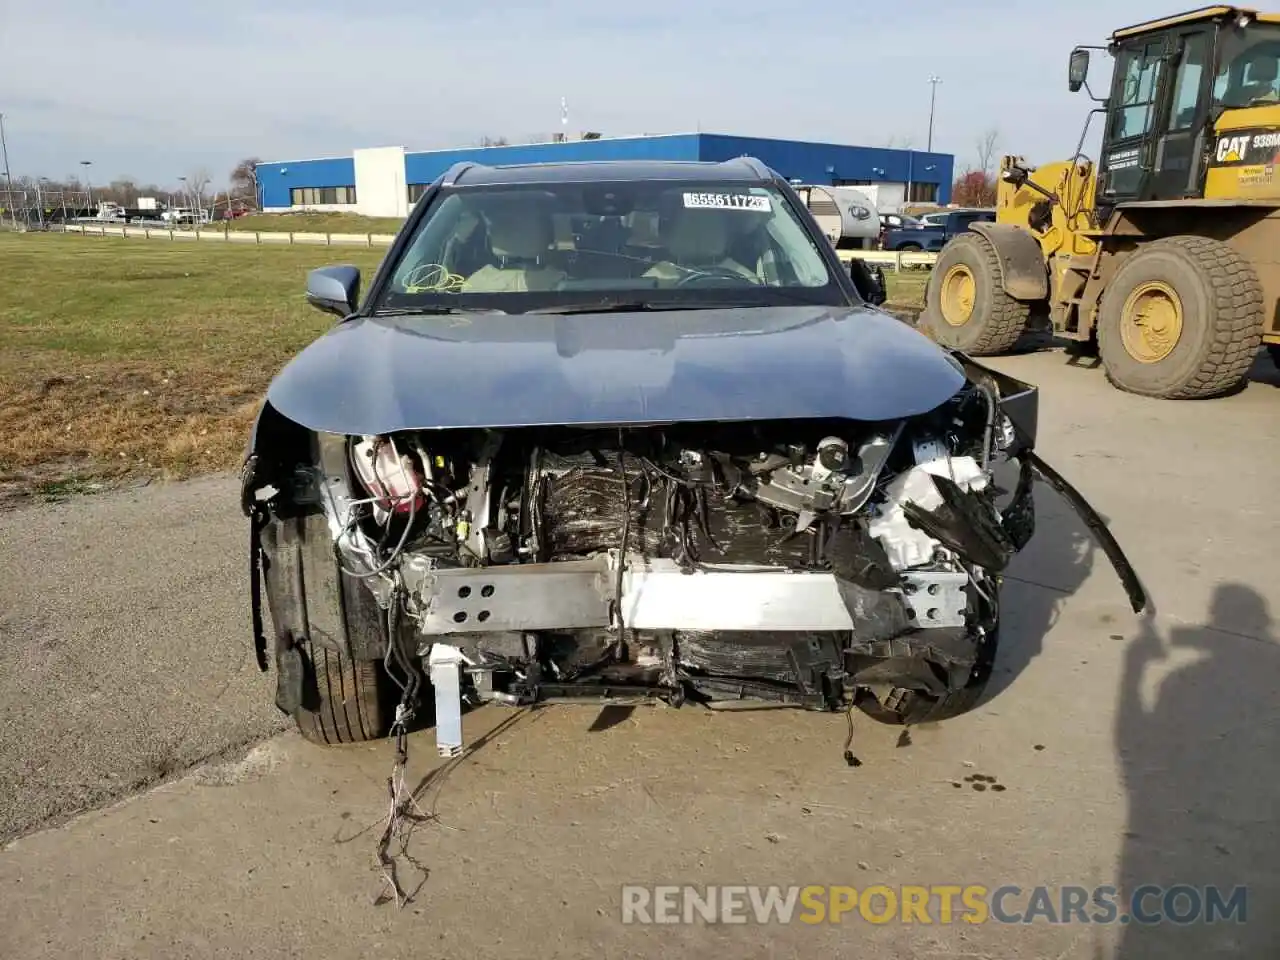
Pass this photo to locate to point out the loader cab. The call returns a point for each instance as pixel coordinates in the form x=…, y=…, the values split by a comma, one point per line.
x=1172, y=82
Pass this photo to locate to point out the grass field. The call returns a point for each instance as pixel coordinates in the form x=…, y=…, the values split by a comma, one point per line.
x=305, y=222
x=126, y=358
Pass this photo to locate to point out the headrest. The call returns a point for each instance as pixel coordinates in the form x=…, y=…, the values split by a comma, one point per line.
x=699, y=235
x=520, y=230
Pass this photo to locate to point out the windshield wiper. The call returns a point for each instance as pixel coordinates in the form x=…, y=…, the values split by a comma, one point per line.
x=432, y=310
x=638, y=306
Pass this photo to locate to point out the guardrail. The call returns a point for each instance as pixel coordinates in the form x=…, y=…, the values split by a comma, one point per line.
x=214, y=235
x=897, y=259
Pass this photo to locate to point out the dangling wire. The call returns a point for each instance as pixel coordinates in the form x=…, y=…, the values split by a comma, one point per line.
x=626, y=530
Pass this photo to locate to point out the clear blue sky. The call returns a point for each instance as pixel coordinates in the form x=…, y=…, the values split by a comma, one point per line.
x=157, y=90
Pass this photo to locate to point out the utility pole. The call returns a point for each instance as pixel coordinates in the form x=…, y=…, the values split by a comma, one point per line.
x=933, y=100
x=4, y=148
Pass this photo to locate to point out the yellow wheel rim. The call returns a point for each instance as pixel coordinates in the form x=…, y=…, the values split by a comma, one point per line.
x=1151, y=322
x=957, y=293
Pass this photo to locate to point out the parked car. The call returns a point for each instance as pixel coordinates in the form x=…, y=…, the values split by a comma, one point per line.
x=683, y=459
x=933, y=238
x=898, y=221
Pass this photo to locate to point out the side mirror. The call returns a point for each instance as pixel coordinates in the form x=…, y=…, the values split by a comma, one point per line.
x=334, y=289
x=869, y=279
x=1077, y=69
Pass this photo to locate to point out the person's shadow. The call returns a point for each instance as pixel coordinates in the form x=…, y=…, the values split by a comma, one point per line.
x=1198, y=738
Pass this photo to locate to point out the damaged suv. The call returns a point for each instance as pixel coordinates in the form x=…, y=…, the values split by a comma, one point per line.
x=629, y=430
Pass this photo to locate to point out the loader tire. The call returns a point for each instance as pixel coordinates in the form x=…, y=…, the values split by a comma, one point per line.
x=966, y=307
x=1181, y=320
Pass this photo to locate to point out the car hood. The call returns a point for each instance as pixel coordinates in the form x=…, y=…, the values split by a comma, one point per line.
x=381, y=374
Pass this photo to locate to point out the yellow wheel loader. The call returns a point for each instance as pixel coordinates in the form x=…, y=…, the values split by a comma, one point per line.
x=1164, y=255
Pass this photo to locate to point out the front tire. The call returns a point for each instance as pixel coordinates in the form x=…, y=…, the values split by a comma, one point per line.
x=1181, y=320
x=966, y=307
x=320, y=615
x=909, y=707
x=343, y=700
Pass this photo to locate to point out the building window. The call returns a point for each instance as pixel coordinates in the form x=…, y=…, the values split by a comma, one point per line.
x=416, y=190
x=315, y=196
x=923, y=193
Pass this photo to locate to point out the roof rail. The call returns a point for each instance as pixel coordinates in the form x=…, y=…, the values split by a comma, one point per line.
x=755, y=166
x=455, y=172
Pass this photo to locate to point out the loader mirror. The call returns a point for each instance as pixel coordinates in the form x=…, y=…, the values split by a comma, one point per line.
x=1077, y=69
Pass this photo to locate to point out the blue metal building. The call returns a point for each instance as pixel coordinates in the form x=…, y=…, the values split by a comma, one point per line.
x=385, y=181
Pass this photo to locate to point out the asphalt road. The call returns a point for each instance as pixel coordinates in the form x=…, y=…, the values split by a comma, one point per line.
x=1130, y=752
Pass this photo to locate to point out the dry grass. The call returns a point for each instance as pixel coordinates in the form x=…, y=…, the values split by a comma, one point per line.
x=125, y=358
x=906, y=287
x=313, y=222
x=132, y=357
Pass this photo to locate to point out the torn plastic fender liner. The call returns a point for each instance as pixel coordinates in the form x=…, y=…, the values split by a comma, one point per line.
x=961, y=523
x=1098, y=527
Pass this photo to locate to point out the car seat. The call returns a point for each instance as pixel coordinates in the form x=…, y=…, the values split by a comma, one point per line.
x=698, y=240
x=520, y=236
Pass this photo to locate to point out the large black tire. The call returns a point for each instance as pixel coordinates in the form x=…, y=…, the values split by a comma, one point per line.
x=319, y=615
x=1219, y=302
x=995, y=320
x=903, y=706
x=343, y=700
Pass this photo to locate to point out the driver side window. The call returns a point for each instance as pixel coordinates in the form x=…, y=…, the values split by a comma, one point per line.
x=1138, y=77
x=1187, y=82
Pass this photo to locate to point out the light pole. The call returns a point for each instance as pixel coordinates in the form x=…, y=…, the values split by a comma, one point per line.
x=88, y=181
x=933, y=100
x=40, y=199
x=4, y=148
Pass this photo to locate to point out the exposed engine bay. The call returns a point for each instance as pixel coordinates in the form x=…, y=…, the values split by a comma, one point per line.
x=809, y=562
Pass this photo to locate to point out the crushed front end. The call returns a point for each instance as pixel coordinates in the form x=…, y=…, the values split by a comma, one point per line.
x=818, y=563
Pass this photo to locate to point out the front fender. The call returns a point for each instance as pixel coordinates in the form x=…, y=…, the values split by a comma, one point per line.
x=1023, y=274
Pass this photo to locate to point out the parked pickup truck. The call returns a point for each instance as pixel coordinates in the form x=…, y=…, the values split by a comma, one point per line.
x=933, y=238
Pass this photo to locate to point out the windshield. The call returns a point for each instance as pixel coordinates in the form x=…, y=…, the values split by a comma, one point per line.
x=536, y=246
x=1248, y=71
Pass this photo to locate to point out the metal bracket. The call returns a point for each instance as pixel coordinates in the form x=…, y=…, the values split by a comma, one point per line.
x=936, y=599
x=445, y=666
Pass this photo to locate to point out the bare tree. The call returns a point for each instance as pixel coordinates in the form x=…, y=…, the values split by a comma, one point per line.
x=197, y=182
x=487, y=141
x=986, y=146
x=244, y=178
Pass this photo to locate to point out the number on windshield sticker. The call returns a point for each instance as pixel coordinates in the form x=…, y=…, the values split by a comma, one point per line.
x=726, y=201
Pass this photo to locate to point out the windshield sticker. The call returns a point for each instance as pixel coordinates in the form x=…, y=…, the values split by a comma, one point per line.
x=726, y=201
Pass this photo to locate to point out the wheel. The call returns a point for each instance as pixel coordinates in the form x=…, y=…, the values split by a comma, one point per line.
x=966, y=307
x=343, y=700
x=1181, y=320
x=317, y=611
x=902, y=706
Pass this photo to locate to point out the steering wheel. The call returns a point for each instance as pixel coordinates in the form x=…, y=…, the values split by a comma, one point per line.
x=714, y=273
